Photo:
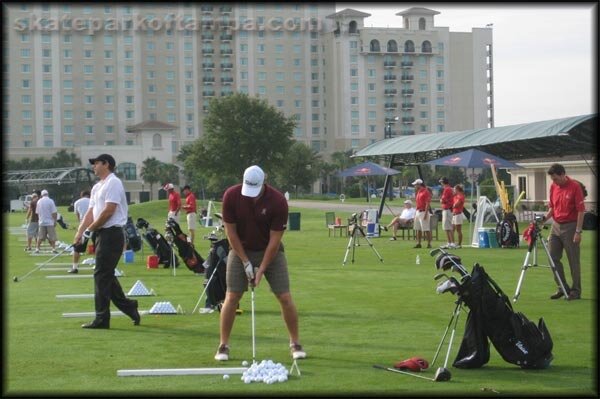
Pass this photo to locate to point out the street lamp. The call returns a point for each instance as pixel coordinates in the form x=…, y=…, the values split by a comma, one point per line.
x=387, y=131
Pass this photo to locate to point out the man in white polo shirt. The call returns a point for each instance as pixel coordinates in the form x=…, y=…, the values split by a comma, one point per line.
x=47, y=213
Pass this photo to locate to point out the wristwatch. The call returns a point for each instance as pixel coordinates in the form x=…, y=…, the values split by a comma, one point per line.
x=578, y=231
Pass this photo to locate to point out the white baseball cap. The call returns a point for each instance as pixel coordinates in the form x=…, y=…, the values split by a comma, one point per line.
x=44, y=192
x=168, y=186
x=418, y=181
x=408, y=202
x=254, y=178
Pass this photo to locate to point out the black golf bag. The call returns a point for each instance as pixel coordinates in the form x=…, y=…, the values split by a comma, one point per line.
x=507, y=231
x=190, y=256
x=216, y=263
x=158, y=243
x=134, y=241
x=518, y=340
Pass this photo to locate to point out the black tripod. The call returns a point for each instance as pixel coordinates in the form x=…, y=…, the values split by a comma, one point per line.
x=353, y=241
x=536, y=235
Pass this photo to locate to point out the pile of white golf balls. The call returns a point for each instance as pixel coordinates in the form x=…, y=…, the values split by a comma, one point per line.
x=266, y=371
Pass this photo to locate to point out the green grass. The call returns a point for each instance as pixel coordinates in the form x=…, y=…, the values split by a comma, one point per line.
x=351, y=317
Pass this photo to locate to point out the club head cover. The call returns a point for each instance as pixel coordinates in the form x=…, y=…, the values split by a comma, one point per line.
x=413, y=364
x=446, y=261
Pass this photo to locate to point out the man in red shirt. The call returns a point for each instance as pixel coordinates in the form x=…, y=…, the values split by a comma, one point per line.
x=566, y=207
x=174, y=202
x=446, y=201
x=190, y=211
x=255, y=217
x=422, y=221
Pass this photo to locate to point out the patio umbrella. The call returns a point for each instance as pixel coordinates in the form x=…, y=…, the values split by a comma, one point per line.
x=367, y=169
x=473, y=158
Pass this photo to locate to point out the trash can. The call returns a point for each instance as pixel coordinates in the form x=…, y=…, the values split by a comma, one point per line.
x=492, y=238
x=294, y=220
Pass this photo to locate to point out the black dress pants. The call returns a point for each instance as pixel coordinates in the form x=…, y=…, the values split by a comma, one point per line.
x=109, y=247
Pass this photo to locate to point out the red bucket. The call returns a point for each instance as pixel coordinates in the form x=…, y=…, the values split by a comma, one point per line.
x=91, y=249
x=152, y=262
x=338, y=221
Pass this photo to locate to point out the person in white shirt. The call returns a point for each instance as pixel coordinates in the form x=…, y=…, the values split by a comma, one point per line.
x=405, y=219
x=47, y=214
x=80, y=207
x=104, y=221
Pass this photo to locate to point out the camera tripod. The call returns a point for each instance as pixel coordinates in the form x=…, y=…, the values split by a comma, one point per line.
x=536, y=236
x=353, y=241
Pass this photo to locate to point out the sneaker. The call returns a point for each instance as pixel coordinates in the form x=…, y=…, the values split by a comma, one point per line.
x=457, y=247
x=297, y=351
x=417, y=246
x=73, y=271
x=37, y=251
x=574, y=295
x=451, y=246
x=27, y=249
x=428, y=245
x=384, y=228
x=206, y=310
x=54, y=251
x=557, y=294
x=445, y=246
x=222, y=353
x=393, y=238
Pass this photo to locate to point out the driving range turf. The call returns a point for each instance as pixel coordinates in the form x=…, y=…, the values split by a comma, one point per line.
x=351, y=316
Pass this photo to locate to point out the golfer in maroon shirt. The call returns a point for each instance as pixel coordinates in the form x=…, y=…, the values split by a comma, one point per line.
x=255, y=217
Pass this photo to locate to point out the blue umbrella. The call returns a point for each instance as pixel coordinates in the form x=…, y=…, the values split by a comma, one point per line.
x=473, y=159
x=367, y=169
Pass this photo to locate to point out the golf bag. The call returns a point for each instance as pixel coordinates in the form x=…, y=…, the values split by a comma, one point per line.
x=518, y=340
x=134, y=241
x=191, y=258
x=216, y=262
x=157, y=242
x=507, y=231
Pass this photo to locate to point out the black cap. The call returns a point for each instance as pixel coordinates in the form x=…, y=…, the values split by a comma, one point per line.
x=104, y=158
x=444, y=180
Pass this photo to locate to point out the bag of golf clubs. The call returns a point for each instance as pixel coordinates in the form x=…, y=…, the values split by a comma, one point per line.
x=134, y=241
x=158, y=243
x=190, y=256
x=216, y=267
x=518, y=340
x=507, y=231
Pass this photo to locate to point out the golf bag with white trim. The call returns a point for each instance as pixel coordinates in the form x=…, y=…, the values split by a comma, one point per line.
x=190, y=256
x=134, y=241
x=518, y=340
x=158, y=243
x=216, y=263
x=507, y=231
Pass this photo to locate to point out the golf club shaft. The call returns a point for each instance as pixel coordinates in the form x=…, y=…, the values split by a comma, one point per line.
x=253, y=329
x=45, y=263
x=204, y=291
x=402, y=372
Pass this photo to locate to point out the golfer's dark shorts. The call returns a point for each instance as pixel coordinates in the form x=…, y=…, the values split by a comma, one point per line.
x=276, y=274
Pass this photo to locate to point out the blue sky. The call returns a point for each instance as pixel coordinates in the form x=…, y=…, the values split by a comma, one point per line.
x=544, y=56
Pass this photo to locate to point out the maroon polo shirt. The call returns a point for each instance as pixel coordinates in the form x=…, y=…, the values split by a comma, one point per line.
x=254, y=221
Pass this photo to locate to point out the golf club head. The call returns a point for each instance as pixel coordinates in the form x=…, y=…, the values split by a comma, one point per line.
x=440, y=275
x=436, y=251
x=450, y=285
x=442, y=374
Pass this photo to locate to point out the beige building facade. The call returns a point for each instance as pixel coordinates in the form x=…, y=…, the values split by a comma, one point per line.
x=78, y=76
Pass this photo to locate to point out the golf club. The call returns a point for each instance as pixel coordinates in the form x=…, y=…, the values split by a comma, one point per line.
x=441, y=374
x=16, y=279
x=204, y=291
x=253, y=326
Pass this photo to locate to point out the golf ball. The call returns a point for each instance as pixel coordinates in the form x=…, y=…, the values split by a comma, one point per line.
x=225, y=376
x=244, y=363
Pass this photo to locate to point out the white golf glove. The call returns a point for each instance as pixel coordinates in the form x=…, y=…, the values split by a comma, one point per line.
x=249, y=270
